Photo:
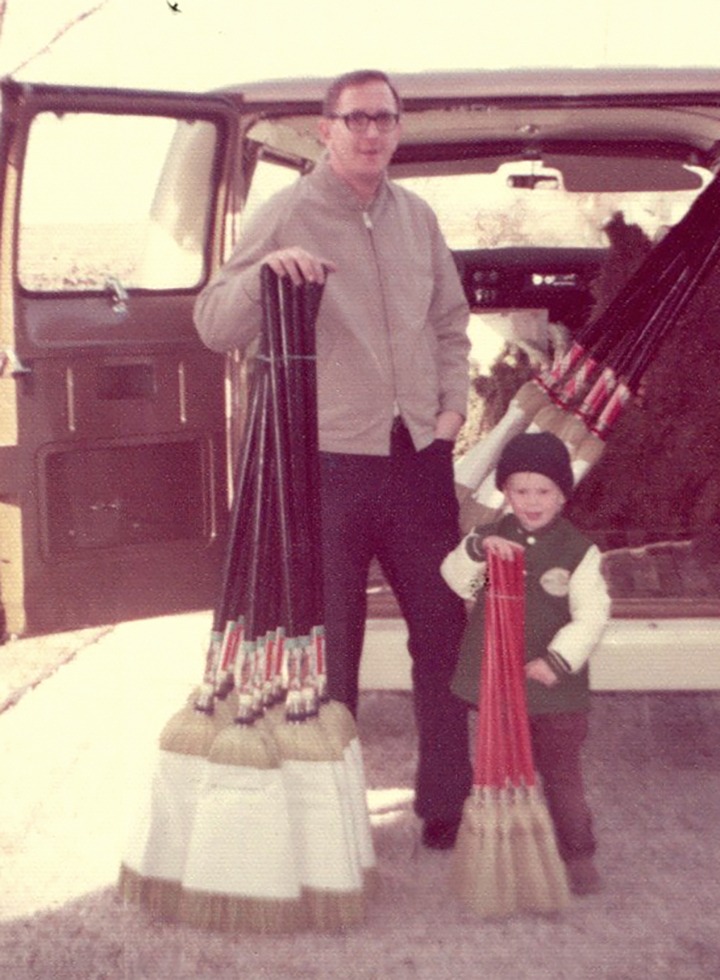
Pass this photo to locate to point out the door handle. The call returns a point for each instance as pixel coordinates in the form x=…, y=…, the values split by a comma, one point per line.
x=118, y=295
x=10, y=364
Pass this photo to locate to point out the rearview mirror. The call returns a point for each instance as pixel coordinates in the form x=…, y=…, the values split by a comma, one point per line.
x=531, y=182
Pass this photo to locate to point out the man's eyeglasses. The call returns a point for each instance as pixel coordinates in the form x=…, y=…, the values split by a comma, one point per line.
x=358, y=121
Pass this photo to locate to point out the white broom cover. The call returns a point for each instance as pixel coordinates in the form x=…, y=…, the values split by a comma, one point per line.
x=241, y=842
x=480, y=460
x=357, y=795
x=487, y=492
x=158, y=842
x=322, y=825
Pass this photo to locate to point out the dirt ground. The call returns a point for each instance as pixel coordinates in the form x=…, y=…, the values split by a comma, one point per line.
x=73, y=749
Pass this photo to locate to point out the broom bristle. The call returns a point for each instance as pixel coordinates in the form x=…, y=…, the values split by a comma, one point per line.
x=240, y=914
x=243, y=807
x=337, y=721
x=531, y=397
x=567, y=426
x=334, y=911
x=339, y=724
x=159, y=897
x=244, y=745
x=301, y=741
x=590, y=449
x=473, y=513
x=481, y=870
x=321, y=815
x=189, y=732
x=554, y=874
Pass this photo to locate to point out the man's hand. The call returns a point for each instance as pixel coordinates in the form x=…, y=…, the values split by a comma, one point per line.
x=447, y=425
x=539, y=670
x=300, y=265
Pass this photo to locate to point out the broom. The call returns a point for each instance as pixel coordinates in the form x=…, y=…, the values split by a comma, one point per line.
x=318, y=797
x=593, y=380
x=505, y=858
x=335, y=718
x=156, y=848
x=643, y=309
x=266, y=889
x=233, y=881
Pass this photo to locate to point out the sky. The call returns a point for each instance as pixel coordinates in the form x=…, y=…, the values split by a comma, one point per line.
x=143, y=43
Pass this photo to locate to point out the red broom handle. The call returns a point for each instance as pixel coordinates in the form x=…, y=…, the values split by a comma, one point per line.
x=510, y=575
x=486, y=773
x=509, y=667
x=521, y=723
x=500, y=753
x=511, y=648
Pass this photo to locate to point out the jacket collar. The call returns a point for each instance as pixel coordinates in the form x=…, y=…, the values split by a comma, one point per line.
x=335, y=190
x=530, y=537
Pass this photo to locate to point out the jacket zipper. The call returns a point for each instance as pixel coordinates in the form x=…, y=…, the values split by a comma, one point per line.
x=368, y=222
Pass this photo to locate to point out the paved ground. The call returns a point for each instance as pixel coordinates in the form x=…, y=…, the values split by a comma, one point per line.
x=74, y=749
x=26, y=663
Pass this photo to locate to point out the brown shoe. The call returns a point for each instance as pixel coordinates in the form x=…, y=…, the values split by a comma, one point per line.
x=583, y=877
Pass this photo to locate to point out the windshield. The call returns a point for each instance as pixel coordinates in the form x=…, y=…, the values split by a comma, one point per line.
x=483, y=210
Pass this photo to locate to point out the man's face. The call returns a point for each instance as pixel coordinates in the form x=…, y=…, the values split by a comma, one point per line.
x=536, y=500
x=361, y=158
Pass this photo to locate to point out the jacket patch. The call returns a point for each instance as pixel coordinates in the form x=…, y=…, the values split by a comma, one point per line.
x=556, y=581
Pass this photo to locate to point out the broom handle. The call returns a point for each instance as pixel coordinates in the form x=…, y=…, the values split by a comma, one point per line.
x=687, y=243
x=490, y=741
x=294, y=402
x=223, y=637
x=525, y=772
x=516, y=760
x=511, y=655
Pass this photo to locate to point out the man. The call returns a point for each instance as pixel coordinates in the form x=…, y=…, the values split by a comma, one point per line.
x=392, y=369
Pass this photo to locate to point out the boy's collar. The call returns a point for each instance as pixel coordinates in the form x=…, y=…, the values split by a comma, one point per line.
x=529, y=537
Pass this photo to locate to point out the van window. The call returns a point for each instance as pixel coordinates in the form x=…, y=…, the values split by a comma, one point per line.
x=482, y=210
x=121, y=196
x=268, y=178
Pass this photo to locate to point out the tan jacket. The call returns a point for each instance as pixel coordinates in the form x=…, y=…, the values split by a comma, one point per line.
x=393, y=319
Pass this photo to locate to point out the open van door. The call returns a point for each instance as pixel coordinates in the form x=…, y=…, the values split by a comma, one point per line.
x=113, y=473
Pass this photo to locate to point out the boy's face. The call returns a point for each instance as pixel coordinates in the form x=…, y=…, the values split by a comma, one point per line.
x=536, y=500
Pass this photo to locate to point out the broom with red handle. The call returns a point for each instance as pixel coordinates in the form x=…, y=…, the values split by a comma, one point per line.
x=596, y=377
x=505, y=859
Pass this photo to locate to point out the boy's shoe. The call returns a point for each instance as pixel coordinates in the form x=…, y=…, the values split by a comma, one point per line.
x=439, y=835
x=583, y=877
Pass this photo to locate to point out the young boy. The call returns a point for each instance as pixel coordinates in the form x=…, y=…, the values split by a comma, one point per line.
x=566, y=609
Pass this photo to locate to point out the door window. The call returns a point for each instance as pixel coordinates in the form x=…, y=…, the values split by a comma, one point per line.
x=115, y=197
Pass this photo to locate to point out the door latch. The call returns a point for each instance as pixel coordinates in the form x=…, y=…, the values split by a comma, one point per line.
x=118, y=295
x=10, y=364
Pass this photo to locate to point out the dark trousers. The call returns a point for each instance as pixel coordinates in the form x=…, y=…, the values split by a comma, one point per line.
x=402, y=510
x=557, y=743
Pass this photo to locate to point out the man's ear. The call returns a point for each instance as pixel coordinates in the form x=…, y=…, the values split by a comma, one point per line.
x=323, y=128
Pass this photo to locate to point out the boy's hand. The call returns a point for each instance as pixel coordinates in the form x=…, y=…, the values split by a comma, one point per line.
x=494, y=544
x=539, y=670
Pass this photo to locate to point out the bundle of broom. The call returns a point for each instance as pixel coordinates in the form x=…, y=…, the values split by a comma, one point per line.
x=267, y=781
x=581, y=396
x=506, y=859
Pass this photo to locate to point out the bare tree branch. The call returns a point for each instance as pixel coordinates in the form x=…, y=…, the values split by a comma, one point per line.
x=3, y=9
x=58, y=34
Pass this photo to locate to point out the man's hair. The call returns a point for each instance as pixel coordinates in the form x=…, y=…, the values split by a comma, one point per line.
x=351, y=79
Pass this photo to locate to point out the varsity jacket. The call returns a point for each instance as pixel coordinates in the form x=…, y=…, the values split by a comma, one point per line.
x=567, y=606
x=392, y=327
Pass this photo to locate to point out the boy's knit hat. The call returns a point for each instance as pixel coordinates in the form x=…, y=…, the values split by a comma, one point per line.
x=536, y=452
